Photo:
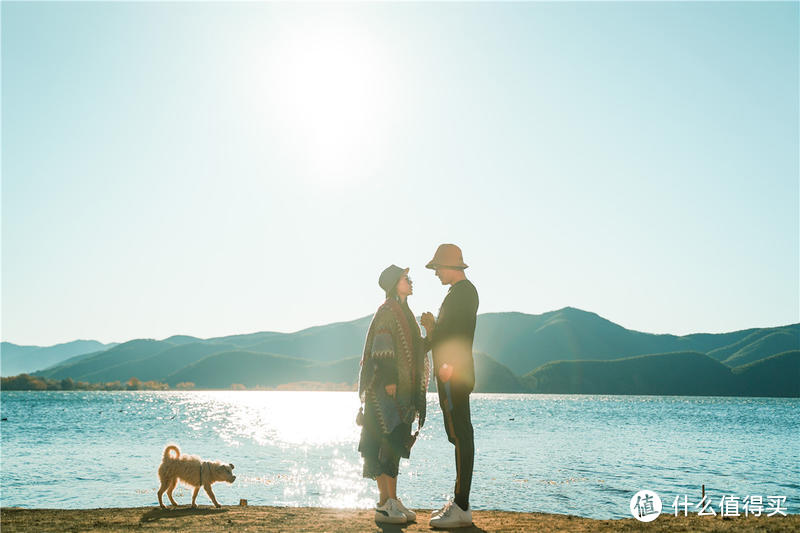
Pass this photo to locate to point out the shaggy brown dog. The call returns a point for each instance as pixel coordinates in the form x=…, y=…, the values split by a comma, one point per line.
x=193, y=471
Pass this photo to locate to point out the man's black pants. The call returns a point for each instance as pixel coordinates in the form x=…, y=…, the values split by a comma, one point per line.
x=458, y=424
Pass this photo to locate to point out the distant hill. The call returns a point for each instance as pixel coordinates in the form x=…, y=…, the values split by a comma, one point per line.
x=155, y=367
x=515, y=352
x=709, y=342
x=525, y=342
x=79, y=367
x=681, y=373
x=491, y=376
x=182, y=339
x=728, y=350
x=71, y=361
x=15, y=359
x=319, y=343
x=771, y=343
x=254, y=369
x=250, y=369
x=777, y=375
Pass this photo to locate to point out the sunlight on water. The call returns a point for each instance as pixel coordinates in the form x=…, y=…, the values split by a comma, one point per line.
x=312, y=425
x=285, y=419
x=569, y=454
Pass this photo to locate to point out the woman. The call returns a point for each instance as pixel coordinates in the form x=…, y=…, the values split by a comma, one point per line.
x=392, y=387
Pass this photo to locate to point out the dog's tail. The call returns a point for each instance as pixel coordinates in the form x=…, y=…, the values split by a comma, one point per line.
x=168, y=449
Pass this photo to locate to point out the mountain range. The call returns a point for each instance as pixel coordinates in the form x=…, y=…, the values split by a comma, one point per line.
x=15, y=359
x=563, y=351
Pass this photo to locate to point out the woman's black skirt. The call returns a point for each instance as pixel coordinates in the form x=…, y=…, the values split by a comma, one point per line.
x=381, y=452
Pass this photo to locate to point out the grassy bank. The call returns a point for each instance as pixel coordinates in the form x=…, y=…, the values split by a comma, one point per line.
x=260, y=519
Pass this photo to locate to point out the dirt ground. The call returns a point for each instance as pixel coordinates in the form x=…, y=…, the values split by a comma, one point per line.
x=292, y=519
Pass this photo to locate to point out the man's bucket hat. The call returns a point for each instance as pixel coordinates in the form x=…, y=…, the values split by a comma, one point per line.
x=447, y=256
x=390, y=276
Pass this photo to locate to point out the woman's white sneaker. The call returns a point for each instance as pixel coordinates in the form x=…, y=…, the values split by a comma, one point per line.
x=452, y=515
x=389, y=513
x=410, y=515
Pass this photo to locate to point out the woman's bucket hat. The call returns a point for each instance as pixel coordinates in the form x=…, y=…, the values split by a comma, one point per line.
x=390, y=276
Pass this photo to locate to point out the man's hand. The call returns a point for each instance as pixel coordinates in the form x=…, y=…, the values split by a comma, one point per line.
x=391, y=390
x=445, y=372
x=428, y=322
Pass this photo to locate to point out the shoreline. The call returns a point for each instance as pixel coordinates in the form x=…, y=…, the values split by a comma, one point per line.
x=267, y=518
x=280, y=388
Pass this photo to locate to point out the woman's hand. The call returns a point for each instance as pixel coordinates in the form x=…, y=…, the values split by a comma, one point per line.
x=391, y=390
x=428, y=322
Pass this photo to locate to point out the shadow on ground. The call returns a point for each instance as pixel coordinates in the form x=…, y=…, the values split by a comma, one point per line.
x=400, y=528
x=154, y=515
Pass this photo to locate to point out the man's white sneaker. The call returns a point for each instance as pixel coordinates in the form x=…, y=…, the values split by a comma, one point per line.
x=443, y=509
x=410, y=515
x=452, y=516
x=389, y=513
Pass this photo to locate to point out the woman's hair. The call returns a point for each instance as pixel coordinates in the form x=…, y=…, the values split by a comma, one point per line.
x=392, y=293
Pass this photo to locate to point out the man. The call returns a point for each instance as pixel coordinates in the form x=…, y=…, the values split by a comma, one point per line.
x=451, y=336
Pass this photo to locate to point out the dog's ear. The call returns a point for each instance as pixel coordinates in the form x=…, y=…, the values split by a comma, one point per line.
x=231, y=465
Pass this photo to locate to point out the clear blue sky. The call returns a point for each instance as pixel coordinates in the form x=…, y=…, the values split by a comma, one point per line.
x=215, y=168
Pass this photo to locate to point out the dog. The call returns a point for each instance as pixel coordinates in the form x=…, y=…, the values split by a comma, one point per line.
x=193, y=471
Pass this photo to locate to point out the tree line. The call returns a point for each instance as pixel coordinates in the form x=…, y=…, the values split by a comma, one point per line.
x=28, y=382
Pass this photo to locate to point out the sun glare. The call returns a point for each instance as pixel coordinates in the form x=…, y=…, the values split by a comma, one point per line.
x=329, y=98
x=278, y=418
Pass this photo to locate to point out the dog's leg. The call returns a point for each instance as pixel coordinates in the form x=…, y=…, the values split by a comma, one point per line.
x=170, y=489
x=161, y=493
x=210, y=493
x=194, y=496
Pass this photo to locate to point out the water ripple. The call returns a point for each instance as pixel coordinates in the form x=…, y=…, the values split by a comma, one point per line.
x=573, y=454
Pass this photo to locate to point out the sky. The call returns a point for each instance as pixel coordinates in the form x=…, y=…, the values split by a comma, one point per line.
x=214, y=168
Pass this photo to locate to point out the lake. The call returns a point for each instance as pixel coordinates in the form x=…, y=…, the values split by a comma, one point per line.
x=584, y=455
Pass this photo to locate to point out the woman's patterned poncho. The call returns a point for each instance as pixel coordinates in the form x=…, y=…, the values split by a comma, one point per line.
x=391, y=355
